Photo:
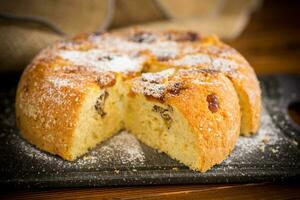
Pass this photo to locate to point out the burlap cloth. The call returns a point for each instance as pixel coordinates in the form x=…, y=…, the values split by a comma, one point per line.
x=27, y=26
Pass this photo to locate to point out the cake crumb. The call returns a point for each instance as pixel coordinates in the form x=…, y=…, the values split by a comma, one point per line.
x=159, y=151
x=266, y=139
x=274, y=150
x=262, y=148
x=175, y=168
x=295, y=142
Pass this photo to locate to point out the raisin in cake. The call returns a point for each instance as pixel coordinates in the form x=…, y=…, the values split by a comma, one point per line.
x=186, y=95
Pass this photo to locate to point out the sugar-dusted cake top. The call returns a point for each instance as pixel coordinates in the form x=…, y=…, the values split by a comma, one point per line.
x=131, y=51
x=172, y=81
x=103, y=61
x=97, y=57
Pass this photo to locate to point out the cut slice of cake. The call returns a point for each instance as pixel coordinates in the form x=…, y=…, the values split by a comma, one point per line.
x=191, y=115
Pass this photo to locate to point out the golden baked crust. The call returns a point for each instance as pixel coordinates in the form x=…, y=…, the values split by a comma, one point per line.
x=46, y=112
x=55, y=90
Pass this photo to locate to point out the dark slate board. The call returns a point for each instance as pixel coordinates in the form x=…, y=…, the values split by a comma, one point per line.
x=272, y=155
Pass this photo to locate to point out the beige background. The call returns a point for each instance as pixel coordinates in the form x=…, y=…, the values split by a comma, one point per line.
x=26, y=26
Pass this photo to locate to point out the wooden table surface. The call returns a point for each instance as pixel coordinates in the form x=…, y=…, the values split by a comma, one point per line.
x=271, y=43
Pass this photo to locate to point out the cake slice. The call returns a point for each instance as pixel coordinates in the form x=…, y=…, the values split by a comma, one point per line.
x=191, y=115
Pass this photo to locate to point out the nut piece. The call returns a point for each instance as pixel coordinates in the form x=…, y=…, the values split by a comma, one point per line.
x=99, y=106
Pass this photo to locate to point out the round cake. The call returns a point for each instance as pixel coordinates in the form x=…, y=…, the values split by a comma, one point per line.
x=179, y=92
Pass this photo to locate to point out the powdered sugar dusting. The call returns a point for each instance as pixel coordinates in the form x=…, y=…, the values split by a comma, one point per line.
x=215, y=63
x=153, y=84
x=223, y=64
x=158, y=77
x=164, y=49
x=150, y=89
x=125, y=147
x=101, y=61
x=159, y=48
x=121, y=149
x=267, y=129
x=60, y=82
x=192, y=60
x=266, y=136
